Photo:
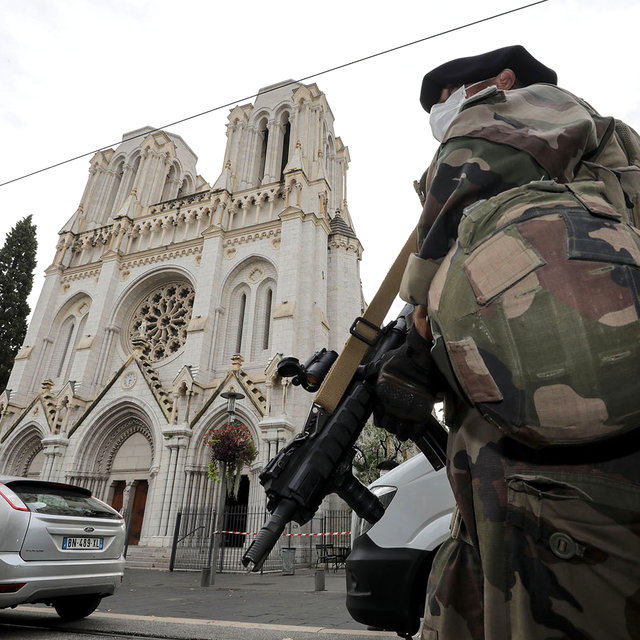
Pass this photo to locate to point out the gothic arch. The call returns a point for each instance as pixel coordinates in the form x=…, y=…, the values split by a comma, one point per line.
x=284, y=150
x=262, y=130
x=198, y=453
x=244, y=279
x=239, y=268
x=66, y=331
x=117, y=171
x=118, y=158
x=98, y=444
x=134, y=160
x=256, y=118
x=171, y=182
x=237, y=320
x=281, y=109
x=186, y=186
x=263, y=317
x=199, y=490
x=19, y=452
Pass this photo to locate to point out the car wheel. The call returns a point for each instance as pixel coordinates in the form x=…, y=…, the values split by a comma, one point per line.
x=76, y=607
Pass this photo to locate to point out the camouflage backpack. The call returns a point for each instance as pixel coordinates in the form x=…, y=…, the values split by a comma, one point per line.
x=538, y=305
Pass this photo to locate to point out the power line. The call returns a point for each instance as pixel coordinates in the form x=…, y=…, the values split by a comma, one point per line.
x=279, y=86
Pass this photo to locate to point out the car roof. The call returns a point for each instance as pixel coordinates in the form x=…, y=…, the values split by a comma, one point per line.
x=13, y=478
x=9, y=479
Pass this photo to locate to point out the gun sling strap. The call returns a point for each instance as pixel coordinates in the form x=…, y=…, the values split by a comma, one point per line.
x=364, y=331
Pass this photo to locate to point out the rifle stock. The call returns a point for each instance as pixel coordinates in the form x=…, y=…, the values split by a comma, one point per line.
x=317, y=462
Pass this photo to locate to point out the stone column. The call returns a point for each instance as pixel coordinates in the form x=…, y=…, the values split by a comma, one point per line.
x=272, y=152
x=54, y=449
x=177, y=440
x=103, y=358
x=126, y=496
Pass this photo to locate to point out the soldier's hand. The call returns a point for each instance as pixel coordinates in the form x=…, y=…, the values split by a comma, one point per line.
x=421, y=322
x=407, y=387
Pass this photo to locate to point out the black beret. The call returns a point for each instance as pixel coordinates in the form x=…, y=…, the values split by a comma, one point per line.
x=528, y=71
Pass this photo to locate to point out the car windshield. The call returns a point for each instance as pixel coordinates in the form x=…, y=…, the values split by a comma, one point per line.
x=60, y=501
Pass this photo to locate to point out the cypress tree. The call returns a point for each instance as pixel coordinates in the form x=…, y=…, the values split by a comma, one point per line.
x=17, y=263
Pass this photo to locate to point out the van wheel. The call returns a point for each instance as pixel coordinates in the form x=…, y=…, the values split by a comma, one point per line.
x=76, y=607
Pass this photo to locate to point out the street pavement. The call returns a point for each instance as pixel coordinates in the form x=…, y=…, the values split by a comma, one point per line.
x=269, y=598
x=243, y=605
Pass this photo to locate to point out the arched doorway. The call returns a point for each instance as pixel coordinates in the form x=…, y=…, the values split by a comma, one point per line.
x=235, y=513
x=114, y=460
x=129, y=482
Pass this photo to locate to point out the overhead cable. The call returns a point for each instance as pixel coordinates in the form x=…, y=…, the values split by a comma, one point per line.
x=278, y=86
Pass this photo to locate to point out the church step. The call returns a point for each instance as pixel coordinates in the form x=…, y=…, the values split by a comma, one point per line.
x=148, y=557
x=160, y=565
x=157, y=552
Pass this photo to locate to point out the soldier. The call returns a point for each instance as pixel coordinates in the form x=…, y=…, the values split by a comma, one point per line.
x=545, y=541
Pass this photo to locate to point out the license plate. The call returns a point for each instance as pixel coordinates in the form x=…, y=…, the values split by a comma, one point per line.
x=72, y=544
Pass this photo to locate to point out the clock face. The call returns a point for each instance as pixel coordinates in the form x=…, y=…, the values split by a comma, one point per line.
x=130, y=379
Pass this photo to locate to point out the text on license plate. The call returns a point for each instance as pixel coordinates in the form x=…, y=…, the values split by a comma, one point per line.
x=82, y=543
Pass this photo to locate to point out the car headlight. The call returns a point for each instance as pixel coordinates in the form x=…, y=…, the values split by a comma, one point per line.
x=385, y=494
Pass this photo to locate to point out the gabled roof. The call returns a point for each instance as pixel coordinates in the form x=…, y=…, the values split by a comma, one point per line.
x=148, y=373
x=251, y=390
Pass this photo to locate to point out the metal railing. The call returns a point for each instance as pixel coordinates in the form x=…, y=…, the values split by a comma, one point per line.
x=194, y=535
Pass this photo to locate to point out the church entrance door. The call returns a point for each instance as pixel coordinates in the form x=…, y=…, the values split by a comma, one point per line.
x=134, y=510
x=137, y=512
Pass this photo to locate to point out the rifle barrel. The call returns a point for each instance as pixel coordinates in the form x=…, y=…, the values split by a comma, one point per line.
x=268, y=536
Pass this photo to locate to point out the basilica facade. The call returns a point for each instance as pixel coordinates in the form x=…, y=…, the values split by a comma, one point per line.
x=167, y=291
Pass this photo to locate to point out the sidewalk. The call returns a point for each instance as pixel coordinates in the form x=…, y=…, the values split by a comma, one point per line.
x=270, y=598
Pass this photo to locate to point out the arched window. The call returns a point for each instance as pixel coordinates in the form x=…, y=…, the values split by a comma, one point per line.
x=127, y=185
x=168, y=184
x=267, y=319
x=286, y=141
x=185, y=188
x=262, y=160
x=115, y=187
x=66, y=336
x=243, y=307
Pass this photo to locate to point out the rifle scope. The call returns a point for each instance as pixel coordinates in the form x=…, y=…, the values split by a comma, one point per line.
x=311, y=374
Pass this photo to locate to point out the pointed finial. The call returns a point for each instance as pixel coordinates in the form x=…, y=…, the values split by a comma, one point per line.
x=236, y=361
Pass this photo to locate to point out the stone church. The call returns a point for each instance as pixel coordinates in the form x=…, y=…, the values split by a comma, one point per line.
x=166, y=292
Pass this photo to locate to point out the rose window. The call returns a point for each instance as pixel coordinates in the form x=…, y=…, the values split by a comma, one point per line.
x=162, y=318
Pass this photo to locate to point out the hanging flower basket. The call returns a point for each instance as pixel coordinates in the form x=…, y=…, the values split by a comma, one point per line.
x=232, y=445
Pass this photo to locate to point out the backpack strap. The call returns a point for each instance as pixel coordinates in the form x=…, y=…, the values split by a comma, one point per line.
x=629, y=141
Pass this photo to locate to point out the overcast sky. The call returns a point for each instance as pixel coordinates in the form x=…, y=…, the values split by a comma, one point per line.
x=75, y=75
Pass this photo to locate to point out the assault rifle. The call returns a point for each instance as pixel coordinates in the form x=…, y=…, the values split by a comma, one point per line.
x=317, y=462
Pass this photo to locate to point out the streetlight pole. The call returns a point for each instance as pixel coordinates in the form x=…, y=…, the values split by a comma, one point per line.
x=231, y=397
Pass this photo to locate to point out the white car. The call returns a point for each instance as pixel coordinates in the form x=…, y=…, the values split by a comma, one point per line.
x=58, y=545
x=388, y=567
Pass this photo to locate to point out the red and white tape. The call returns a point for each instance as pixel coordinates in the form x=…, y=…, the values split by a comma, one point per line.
x=249, y=533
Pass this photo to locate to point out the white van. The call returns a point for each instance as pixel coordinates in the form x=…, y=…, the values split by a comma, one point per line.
x=388, y=567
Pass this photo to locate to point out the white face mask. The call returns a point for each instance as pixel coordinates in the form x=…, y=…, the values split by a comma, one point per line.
x=442, y=114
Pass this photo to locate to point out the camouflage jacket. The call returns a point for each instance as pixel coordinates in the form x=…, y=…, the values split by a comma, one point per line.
x=548, y=544
x=507, y=139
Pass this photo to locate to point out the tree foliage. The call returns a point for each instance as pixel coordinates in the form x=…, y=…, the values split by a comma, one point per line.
x=17, y=263
x=373, y=447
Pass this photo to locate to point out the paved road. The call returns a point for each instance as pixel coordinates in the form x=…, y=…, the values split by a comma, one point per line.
x=158, y=604
x=268, y=598
x=42, y=624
